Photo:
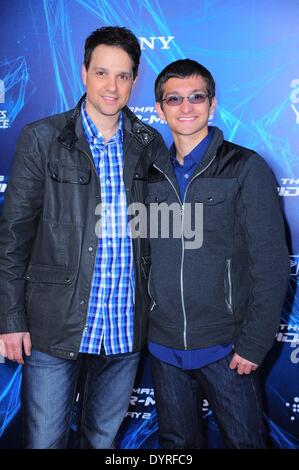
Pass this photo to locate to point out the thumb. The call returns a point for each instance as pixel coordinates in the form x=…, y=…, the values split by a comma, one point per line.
x=27, y=344
x=234, y=362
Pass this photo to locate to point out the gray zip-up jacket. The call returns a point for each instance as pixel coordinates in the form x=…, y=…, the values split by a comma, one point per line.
x=232, y=288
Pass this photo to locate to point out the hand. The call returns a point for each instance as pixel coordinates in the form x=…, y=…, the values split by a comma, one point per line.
x=11, y=346
x=242, y=365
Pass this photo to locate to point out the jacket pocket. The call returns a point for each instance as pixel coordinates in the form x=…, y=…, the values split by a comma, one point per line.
x=47, y=274
x=157, y=192
x=214, y=213
x=49, y=295
x=210, y=197
x=228, y=287
x=69, y=173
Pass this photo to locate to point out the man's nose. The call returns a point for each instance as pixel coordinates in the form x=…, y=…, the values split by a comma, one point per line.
x=111, y=83
x=186, y=106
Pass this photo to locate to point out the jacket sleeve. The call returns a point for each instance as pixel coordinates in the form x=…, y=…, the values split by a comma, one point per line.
x=260, y=216
x=21, y=211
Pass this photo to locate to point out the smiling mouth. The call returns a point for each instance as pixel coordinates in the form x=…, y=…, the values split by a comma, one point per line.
x=111, y=99
x=192, y=118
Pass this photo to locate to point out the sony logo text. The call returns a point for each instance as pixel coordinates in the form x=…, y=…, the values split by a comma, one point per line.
x=154, y=42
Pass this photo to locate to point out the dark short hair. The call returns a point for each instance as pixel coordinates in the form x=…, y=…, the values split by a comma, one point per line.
x=182, y=69
x=113, y=36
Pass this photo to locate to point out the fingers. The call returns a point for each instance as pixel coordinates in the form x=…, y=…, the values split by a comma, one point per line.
x=12, y=345
x=241, y=365
x=2, y=347
x=14, y=349
x=244, y=369
x=27, y=344
x=234, y=362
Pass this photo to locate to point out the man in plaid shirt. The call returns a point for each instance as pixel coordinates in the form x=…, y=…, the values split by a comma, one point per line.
x=69, y=294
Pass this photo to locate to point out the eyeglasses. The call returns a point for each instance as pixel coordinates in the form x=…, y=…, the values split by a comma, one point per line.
x=176, y=100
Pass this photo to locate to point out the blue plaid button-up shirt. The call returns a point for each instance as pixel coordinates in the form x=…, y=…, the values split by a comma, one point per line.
x=111, y=303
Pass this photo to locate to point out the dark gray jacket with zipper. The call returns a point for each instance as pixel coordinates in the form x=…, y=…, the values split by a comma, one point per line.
x=47, y=231
x=232, y=288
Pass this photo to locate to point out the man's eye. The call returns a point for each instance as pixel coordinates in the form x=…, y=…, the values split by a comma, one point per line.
x=198, y=98
x=173, y=99
x=124, y=77
x=100, y=73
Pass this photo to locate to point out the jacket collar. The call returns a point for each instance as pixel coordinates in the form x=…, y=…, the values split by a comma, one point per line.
x=164, y=163
x=134, y=126
x=73, y=131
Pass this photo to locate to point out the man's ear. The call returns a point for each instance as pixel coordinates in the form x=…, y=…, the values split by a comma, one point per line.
x=213, y=106
x=83, y=74
x=134, y=81
x=160, y=111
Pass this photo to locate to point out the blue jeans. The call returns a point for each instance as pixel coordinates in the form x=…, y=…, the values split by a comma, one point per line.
x=234, y=399
x=48, y=395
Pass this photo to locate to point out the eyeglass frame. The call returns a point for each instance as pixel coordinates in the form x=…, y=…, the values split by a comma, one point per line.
x=206, y=95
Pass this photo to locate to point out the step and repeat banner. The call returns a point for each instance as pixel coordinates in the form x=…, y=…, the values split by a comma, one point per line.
x=251, y=49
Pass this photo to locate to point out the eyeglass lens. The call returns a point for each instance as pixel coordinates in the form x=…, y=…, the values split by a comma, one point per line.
x=195, y=98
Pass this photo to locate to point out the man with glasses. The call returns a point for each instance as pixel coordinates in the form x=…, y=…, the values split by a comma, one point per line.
x=216, y=308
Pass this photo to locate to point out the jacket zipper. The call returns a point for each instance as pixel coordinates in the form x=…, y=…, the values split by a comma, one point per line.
x=183, y=244
x=229, y=277
x=149, y=291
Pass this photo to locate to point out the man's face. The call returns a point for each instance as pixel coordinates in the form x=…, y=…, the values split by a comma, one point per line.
x=108, y=81
x=186, y=119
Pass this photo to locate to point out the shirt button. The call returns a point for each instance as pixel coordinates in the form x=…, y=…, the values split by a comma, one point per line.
x=82, y=302
x=186, y=175
x=90, y=248
x=72, y=354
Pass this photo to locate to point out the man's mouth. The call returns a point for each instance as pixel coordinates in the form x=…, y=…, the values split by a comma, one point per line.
x=190, y=118
x=109, y=99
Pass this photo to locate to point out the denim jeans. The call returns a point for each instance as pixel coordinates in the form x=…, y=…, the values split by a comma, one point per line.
x=48, y=395
x=234, y=399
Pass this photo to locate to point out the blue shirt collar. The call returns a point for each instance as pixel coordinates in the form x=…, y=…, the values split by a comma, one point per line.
x=195, y=156
x=95, y=137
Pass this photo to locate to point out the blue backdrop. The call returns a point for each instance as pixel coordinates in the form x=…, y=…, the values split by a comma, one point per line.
x=252, y=50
